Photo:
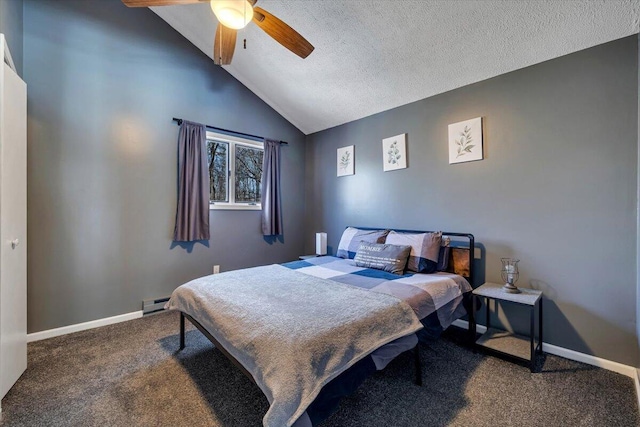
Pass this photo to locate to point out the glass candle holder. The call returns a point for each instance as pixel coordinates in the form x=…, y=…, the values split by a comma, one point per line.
x=510, y=274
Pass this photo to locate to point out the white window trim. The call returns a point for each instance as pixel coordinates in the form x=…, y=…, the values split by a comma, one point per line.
x=231, y=187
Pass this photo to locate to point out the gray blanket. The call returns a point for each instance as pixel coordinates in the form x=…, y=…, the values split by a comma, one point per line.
x=294, y=333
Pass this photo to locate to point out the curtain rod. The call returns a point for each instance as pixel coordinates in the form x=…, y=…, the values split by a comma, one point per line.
x=179, y=121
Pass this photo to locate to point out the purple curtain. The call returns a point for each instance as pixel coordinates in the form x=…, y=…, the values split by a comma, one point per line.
x=271, y=203
x=192, y=214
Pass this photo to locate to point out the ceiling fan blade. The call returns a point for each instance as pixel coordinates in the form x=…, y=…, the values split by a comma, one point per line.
x=148, y=3
x=224, y=45
x=282, y=33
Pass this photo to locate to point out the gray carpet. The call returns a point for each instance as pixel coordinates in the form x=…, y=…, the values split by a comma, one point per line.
x=129, y=374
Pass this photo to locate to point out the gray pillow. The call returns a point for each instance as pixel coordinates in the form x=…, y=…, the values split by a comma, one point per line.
x=351, y=238
x=381, y=256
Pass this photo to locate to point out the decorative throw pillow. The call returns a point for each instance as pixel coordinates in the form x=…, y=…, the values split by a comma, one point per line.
x=445, y=253
x=351, y=238
x=382, y=256
x=425, y=248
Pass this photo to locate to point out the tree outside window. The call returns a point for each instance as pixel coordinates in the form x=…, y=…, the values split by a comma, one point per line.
x=235, y=172
x=218, y=170
x=248, y=174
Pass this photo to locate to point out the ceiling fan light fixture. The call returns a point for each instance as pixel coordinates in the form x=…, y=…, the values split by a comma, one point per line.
x=235, y=14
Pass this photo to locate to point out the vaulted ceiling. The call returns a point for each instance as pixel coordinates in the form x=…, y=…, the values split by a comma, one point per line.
x=374, y=55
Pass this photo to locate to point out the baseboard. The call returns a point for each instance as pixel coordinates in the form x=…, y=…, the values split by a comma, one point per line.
x=465, y=325
x=609, y=365
x=50, y=333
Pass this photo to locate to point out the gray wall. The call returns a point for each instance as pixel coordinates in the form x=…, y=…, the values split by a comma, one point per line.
x=104, y=82
x=638, y=235
x=11, y=27
x=557, y=187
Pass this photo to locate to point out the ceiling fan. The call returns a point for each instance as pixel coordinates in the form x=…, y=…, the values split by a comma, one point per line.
x=234, y=15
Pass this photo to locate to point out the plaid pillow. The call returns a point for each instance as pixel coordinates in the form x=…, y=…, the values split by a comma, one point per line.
x=445, y=253
x=351, y=238
x=425, y=248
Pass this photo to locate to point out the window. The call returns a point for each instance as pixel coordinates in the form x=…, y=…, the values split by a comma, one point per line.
x=235, y=172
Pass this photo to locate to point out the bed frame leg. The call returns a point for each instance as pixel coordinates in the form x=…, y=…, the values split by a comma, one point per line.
x=418, y=364
x=182, y=331
x=472, y=319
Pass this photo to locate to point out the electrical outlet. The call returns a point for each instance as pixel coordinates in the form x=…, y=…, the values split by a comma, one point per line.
x=216, y=269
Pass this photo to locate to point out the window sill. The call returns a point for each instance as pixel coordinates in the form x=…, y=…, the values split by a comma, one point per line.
x=234, y=207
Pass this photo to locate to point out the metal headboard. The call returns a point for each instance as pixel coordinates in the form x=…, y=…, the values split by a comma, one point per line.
x=468, y=236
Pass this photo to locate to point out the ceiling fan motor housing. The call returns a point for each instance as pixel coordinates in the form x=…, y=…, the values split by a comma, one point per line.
x=234, y=14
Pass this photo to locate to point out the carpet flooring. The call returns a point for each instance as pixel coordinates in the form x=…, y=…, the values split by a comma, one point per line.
x=130, y=374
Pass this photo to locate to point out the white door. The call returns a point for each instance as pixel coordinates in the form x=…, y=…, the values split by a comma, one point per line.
x=13, y=228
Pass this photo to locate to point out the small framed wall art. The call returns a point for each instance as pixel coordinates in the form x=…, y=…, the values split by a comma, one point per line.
x=346, y=160
x=394, y=152
x=465, y=141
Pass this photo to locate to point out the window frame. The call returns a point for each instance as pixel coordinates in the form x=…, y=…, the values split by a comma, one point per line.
x=233, y=141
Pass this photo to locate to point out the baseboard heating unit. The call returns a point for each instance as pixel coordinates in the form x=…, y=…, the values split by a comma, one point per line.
x=153, y=305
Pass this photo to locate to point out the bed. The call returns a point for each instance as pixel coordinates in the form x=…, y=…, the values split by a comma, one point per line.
x=309, y=332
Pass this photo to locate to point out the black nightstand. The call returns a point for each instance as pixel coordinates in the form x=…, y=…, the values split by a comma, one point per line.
x=506, y=343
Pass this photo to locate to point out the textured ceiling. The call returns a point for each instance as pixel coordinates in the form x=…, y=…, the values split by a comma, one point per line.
x=374, y=55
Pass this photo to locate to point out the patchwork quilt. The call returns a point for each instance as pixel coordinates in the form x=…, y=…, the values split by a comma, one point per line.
x=440, y=293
